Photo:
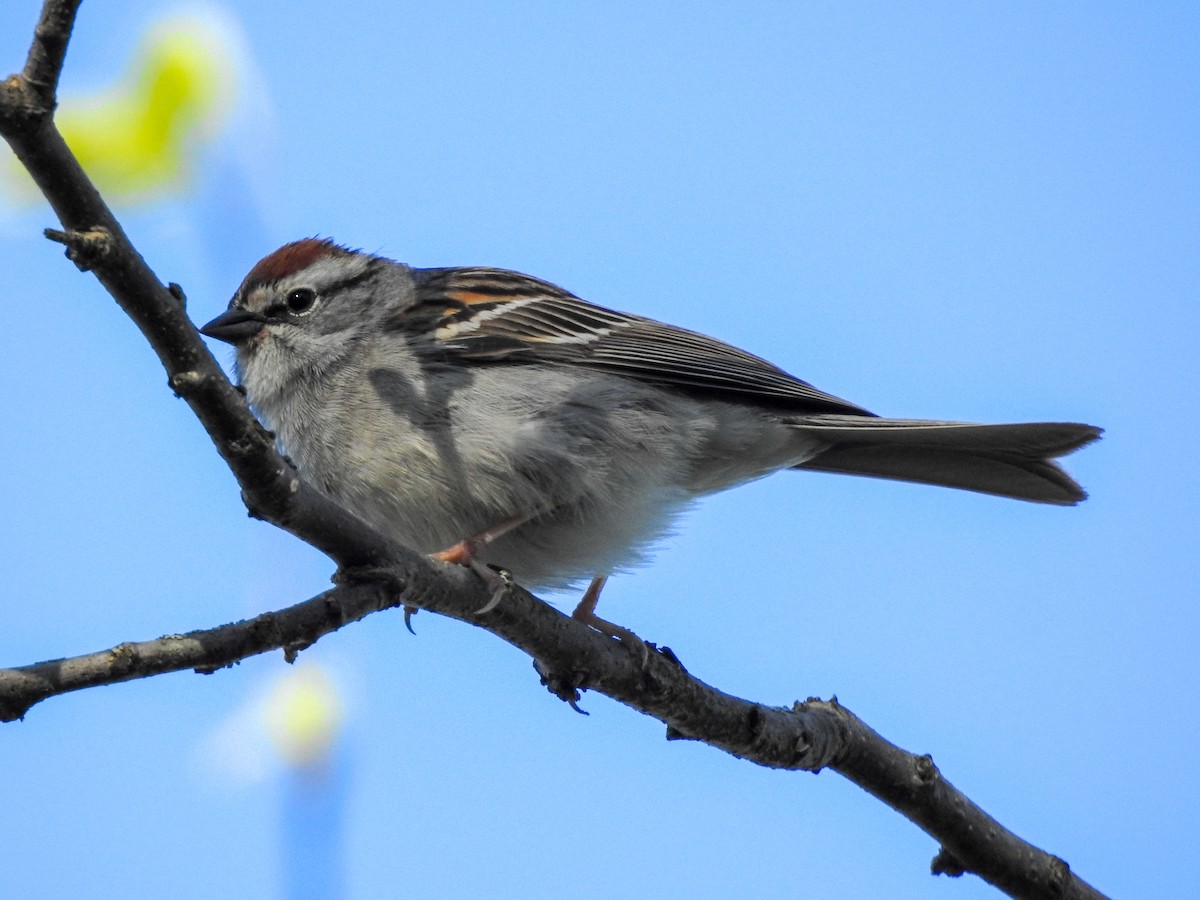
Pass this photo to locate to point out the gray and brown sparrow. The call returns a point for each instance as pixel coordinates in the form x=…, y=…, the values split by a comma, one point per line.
x=501, y=420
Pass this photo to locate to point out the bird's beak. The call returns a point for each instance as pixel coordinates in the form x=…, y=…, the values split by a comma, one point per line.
x=234, y=326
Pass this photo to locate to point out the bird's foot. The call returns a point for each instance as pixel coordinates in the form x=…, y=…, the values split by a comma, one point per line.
x=585, y=612
x=463, y=553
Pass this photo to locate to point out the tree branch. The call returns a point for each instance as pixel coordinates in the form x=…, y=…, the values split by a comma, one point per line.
x=44, y=63
x=204, y=651
x=375, y=573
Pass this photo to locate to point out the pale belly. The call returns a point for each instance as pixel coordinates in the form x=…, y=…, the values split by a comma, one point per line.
x=598, y=468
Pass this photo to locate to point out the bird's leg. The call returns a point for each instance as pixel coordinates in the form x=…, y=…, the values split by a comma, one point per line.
x=586, y=612
x=464, y=554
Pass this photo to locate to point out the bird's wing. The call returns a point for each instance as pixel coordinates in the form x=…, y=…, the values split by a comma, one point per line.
x=497, y=316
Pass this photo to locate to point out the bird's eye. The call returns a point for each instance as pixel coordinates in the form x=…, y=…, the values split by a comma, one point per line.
x=300, y=301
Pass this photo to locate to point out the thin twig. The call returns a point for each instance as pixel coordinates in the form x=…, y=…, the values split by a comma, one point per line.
x=205, y=651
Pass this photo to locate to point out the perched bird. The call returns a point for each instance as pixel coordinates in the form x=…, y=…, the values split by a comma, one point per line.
x=495, y=419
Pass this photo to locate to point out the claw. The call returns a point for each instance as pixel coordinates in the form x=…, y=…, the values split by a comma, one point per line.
x=499, y=580
x=579, y=709
x=464, y=554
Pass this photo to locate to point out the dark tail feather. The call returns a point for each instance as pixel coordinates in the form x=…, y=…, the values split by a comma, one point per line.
x=1008, y=460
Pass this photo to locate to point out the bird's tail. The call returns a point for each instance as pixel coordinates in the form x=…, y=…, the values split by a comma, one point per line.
x=1008, y=460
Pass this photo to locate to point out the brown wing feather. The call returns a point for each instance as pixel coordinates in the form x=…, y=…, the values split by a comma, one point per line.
x=493, y=315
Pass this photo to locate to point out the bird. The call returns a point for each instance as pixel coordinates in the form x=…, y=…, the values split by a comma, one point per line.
x=497, y=421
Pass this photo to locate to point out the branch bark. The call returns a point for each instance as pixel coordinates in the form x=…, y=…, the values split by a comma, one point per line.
x=376, y=574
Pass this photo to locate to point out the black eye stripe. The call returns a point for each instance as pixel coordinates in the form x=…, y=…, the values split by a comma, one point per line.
x=300, y=301
x=353, y=280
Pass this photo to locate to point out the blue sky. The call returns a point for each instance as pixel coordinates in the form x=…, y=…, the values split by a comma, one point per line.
x=968, y=211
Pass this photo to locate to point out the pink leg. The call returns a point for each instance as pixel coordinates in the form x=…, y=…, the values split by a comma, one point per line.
x=586, y=612
x=464, y=551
